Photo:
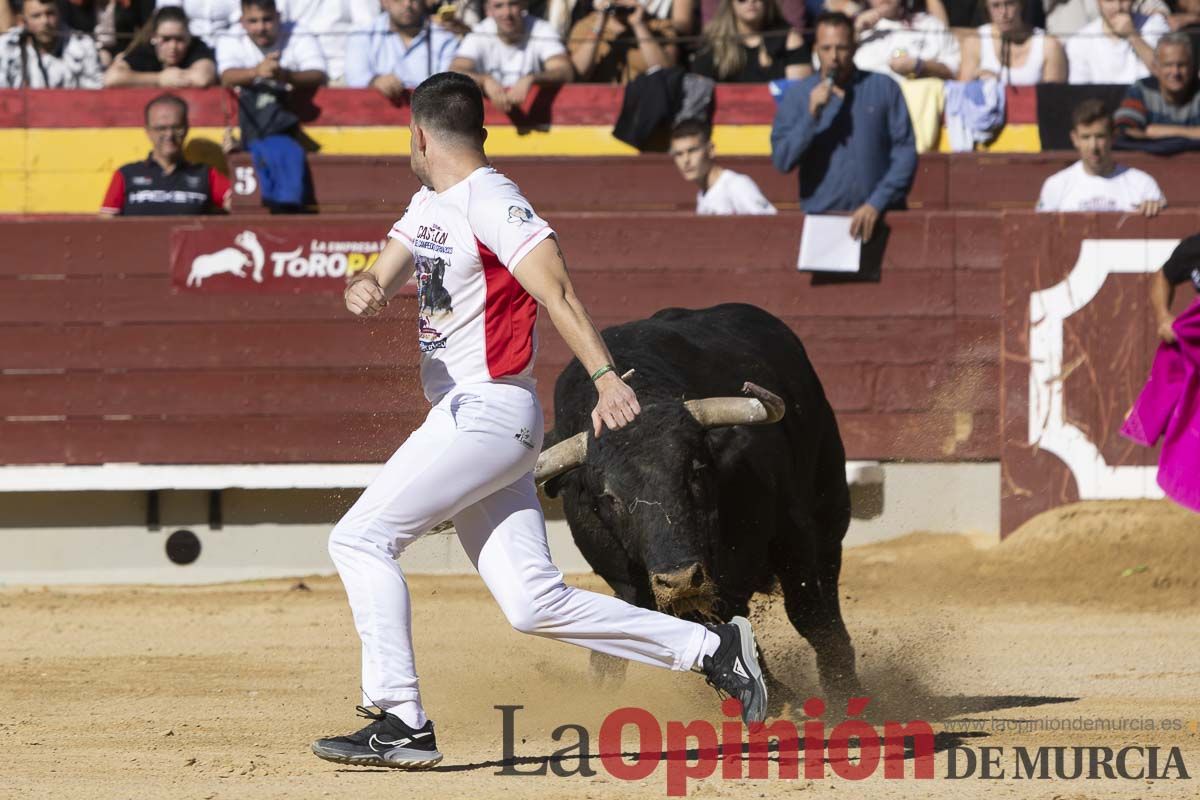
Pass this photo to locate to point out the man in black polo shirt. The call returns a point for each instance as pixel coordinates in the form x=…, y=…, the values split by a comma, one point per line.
x=1182, y=266
x=166, y=184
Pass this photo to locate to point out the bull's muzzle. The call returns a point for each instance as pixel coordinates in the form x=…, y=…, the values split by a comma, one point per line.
x=684, y=591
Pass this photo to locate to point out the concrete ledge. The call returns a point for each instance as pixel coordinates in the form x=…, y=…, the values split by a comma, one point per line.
x=160, y=477
x=99, y=536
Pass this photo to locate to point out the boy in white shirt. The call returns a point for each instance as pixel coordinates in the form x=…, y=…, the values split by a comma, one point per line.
x=509, y=52
x=722, y=191
x=1117, y=47
x=1095, y=183
x=265, y=51
x=904, y=44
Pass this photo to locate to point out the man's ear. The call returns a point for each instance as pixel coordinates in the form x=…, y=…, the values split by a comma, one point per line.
x=484, y=138
x=419, y=139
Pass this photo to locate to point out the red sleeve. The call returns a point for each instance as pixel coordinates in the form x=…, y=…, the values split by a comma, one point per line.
x=114, y=198
x=220, y=189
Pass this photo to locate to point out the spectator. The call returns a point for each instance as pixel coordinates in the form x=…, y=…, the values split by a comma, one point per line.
x=617, y=42
x=401, y=49
x=265, y=51
x=1094, y=182
x=904, y=44
x=748, y=41
x=171, y=59
x=849, y=132
x=209, y=20
x=1117, y=47
x=1011, y=51
x=333, y=23
x=1065, y=18
x=1166, y=105
x=113, y=23
x=166, y=184
x=1182, y=266
x=722, y=191
x=511, y=51
x=43, y=54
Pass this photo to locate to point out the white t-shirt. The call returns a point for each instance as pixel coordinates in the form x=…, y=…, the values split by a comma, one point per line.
x=921, y=36
x=733, y=193
x=476, y=324
x=297, y=52
x=508, y=63
x=1095, y=57
x=1074, y=189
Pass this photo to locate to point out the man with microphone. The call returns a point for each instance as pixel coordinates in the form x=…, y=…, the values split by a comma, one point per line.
x=848, y=131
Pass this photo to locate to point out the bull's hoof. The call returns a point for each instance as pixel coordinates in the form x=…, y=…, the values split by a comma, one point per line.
x=607, y=671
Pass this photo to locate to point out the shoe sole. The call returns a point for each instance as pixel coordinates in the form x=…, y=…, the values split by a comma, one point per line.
x=406, y=759
x=757, y=712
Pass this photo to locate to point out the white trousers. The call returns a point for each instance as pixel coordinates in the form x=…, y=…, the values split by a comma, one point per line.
x=471, y=461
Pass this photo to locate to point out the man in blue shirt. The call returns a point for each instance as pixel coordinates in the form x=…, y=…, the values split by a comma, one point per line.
x=849, y=132
x=400, y=50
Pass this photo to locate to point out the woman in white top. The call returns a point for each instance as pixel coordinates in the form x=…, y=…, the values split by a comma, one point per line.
x=1012, y=52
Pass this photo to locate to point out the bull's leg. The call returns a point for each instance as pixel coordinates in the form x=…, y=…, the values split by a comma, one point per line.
x=811, y=598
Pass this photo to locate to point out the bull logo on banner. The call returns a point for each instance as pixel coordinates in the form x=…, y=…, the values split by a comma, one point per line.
x=283, y=258
x=230, y=261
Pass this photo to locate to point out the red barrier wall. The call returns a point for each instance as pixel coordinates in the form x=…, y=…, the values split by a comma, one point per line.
x=104, y=361
x=1076, y=357
x=960, y=182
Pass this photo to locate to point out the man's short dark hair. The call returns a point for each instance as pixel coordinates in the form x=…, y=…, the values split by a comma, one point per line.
x=169, y=14
x=836, y=19
x=265, y=5
x=1089, y=111
x=692, y=127
x=170, y=100
x=451, y=104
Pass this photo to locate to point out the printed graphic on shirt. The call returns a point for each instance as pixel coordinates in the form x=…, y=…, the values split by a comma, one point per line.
x=519, y=215
x=434, y=303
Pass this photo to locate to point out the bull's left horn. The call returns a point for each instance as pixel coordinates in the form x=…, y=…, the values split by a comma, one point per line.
x=562, y=457
x=761, y=408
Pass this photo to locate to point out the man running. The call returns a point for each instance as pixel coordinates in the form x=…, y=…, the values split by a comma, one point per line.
x=485, y=261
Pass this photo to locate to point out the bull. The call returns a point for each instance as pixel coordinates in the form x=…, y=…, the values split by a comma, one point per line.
x=707, y=497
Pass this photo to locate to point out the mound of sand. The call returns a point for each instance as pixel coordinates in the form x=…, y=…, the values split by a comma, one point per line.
x=1138, y=554
x=1135, y=555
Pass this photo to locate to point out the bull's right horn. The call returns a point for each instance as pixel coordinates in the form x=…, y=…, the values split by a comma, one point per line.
x=762, y=408
x=562, y=457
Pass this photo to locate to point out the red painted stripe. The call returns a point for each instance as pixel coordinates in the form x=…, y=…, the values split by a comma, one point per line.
x=509, y=317
x=580, y=104
x=1021, y=105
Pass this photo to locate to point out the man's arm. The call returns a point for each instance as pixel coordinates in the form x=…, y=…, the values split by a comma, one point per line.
x=894, y=186
x=367, y=292
x=793, y=130
x=1162, y=294
x=543, y=273
x=304, y=78
x=1158, y=131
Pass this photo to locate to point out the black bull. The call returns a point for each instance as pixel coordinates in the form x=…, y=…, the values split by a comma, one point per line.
x=693, y=521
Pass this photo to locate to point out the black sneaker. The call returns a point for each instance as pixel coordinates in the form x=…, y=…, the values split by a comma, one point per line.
x=734, y=668
x=386, y=742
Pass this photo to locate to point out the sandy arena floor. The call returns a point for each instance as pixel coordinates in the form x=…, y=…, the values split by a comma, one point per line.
x=216, y=692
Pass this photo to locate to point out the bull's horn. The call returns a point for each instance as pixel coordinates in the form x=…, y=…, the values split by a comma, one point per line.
x=562, y=457
x=761, y=408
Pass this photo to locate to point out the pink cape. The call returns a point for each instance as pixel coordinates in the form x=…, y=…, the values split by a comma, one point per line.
x=1169, y=408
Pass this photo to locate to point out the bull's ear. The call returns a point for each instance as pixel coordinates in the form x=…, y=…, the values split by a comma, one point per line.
x=552, y=487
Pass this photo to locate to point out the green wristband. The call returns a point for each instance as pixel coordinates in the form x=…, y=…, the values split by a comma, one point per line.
x=598, y=373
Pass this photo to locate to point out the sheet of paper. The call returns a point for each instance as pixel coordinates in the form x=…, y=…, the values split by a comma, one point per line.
x=827, y=246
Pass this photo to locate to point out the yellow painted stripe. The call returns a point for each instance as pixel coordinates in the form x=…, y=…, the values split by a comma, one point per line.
x=1022, y=138
x=66, y=170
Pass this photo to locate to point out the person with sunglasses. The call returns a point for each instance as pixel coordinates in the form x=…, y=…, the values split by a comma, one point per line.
x=172, y=58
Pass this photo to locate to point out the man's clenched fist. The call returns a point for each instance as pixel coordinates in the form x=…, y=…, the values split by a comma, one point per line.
x=364, y=296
